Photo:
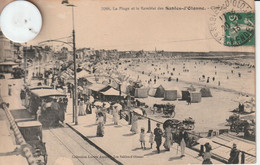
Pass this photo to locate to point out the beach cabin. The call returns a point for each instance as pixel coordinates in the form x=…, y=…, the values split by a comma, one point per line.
x=195, y=97
x=170, y=94
x=141, y=92
x=185, y=94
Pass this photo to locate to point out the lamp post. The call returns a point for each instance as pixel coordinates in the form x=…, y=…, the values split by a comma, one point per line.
x=74, y=60
x=25, y=63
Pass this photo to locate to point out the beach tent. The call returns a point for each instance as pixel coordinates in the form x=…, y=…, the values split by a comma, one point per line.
x=97, y=87
x=170, y=94
x=205, y=92
x=114, y=84
x=156, y=91
x=90, y=80
x=152, y=91
x=111, y=92
x=195, y=97
x=185, y=95
x=159, y=91
x=83, y=73
x=141, y=92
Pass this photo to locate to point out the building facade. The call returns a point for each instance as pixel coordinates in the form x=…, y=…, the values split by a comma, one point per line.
x=6, y=49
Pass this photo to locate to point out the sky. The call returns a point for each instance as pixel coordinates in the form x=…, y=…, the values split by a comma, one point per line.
x=170, y=30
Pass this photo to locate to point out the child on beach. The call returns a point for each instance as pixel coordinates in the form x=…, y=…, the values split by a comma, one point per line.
x=151, y=139
x=142, y=138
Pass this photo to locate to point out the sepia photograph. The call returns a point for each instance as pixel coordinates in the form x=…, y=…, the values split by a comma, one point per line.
x=127, y=82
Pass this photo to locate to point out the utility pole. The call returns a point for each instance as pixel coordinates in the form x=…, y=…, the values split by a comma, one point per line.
x=25, y=63
x=75, y=100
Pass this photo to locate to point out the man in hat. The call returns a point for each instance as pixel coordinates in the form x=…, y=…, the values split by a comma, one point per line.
x=234, y=155
x=158, y=136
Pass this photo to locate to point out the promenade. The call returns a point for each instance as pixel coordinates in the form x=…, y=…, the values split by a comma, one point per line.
x=10, y=153
x=120, y=143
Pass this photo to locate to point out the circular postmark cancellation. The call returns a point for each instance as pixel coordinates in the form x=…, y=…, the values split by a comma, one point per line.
x=232, y=23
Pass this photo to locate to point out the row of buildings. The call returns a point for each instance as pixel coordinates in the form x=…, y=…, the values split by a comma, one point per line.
x=9, y=51
x=15, y=52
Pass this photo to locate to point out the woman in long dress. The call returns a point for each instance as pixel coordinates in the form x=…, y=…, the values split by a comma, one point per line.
x=103, y=110
x=81, y=108
x=96, y=110
x=115, y=115
x=100, y=125
x=168, y=138
x=182, y=141
x=88, y=107
x=134, y=127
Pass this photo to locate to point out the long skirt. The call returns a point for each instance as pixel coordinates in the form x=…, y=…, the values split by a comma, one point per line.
x=134, y=127
x=167, y=143
x=81, y=110
x=23, y=102
x=100, y=129
x=115, y=118
x=88, y=109
x=183, y=145
x=105, y=117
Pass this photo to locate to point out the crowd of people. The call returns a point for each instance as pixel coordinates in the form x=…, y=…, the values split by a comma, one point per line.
x=88, y=105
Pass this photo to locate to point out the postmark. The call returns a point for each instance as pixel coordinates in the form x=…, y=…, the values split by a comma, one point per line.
x=232, y=23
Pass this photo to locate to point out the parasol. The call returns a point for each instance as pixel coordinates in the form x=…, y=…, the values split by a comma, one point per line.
x=107, y=105
x=91, y=99
x=170, y=122
x=138, y=111
x=119, y=107
x=98, y=103
x=80, y=88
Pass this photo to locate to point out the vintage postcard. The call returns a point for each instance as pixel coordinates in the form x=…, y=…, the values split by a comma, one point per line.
x=148, y=82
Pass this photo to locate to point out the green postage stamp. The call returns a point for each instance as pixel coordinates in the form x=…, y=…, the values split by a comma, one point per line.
x=239, y=29
x=232, y=23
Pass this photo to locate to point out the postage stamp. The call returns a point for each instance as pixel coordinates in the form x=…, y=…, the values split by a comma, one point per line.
x=232, y=23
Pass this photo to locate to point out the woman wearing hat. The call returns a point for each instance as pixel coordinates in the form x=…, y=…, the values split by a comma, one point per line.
x=134, y=127
x=168, y=138
x=81, y=107
x=115, y=114
x=96, y=109
x=100, y=126
x=103, y=110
